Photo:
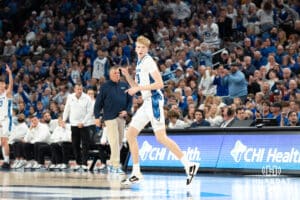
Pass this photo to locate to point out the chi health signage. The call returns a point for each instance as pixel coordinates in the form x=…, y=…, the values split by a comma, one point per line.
x=258, y=151
x=255, y=151
x=198, y=148
x=270, y=155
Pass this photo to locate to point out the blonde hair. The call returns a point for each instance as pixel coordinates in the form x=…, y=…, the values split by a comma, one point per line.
x=143, y=40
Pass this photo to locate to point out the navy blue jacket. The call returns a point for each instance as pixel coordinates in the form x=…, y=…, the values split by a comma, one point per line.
x=112, y=99
x=203, y=122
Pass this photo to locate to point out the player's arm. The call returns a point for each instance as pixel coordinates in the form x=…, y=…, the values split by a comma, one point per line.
x=10, y=83
x=129, y=79
x=157, y=84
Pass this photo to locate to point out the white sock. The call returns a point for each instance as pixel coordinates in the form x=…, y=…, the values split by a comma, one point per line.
x=185, y=161
x=5, y=157
x=136, y=169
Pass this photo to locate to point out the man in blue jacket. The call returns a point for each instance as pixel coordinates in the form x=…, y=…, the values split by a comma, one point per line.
x=116, y=105
x=237, y=84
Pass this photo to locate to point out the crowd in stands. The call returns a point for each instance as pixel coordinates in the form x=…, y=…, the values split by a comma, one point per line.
x=213, y=55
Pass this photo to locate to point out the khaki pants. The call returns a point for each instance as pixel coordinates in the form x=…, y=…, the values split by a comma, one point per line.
x=115, y=134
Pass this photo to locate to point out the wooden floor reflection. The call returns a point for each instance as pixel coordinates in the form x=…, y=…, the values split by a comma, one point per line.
x=104, y=186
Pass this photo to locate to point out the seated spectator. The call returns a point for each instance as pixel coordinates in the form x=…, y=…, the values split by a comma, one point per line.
x=207, y=102
x=9, y=48
x=248, y=114
x=218, y=101
x=228, y=116
x=293, y=89
x=190, y=116
x=174, y=121
x=213, y=116
x=199, y=119
x=276, y=109
x=264, y=111
x=240, y=113
x=292, y=119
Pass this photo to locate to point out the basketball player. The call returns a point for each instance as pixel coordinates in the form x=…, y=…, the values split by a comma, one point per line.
x=149, y=82
x=6, y=104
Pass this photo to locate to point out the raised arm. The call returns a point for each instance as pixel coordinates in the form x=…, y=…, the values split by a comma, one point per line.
x=129, y=79
x=11, y=82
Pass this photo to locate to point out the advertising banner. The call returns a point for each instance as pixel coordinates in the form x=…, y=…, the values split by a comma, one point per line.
x=260, y=151
x=199, y=148
x=263, y=152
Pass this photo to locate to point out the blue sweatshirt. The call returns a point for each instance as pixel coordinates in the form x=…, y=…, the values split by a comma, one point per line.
x=237, y=84
x=112, y=98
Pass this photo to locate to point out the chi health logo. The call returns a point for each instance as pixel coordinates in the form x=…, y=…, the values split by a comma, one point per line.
x=149, y=152
x=238, y=150
x=241, y=151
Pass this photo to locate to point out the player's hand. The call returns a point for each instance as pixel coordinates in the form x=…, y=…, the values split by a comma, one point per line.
x=7, y=69
x=124, y=71
x=132, y=91
x=123, y=113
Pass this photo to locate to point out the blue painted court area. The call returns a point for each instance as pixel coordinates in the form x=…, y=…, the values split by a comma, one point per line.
x=161, y=186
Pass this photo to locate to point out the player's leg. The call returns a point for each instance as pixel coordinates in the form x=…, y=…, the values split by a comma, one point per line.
x=138, y=122
x=191, y=168
x=5, y=153
x=6, y=129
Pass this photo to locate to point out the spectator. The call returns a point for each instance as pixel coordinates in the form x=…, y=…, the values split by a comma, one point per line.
x=190, y=116
x=210, y=32
x=292, y=119
x=248, y=67
x=100, y=65
x=265, y=16
x=237, y=84
x=206, y=86
x=228, y=116
x=240, y=113
x=225, y=25
x=9, y=48
x=275, y=109
x=181, y=10
x=213, y=116
x=199, y=119
x=174, y=121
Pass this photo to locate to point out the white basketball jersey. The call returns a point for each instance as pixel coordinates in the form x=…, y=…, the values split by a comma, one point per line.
x=144, y=68
x=5, y=106
x=99, y=67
